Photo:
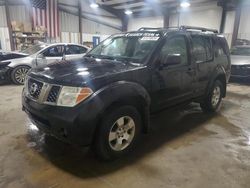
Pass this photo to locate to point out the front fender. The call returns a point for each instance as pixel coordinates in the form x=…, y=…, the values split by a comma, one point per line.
x=122, y=92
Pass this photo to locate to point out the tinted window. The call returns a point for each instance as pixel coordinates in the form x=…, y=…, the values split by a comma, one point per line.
x=55, y=51
x=199, y=49
x=220, y=48
x=175, y=45
x=208, y=47
x=74, y=49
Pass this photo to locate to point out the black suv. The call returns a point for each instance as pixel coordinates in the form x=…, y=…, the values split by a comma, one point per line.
x=105, y=98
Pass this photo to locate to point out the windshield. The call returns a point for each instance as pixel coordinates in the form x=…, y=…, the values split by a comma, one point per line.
x=245, y=51
x=130, y=47
x=34, y=49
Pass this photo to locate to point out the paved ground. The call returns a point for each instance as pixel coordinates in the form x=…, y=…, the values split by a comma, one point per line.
x=185, y=148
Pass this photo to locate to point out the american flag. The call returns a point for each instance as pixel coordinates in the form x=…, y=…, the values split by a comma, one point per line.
x=45, y=13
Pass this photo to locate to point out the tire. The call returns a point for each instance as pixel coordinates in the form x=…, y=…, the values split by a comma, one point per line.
x=110, y=141
x=19, y=73
x=212, y=102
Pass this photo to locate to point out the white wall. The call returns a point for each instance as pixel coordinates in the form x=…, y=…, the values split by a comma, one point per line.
x=244, y=29
x=229, y=26
x=4, y=32
x=20, y=14
x=4, y=38
x=136, y=23
x=68, y=22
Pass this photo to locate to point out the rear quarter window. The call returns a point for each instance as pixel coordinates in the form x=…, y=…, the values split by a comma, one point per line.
x=202, y=48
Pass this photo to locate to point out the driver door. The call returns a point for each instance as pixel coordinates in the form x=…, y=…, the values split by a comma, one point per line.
x=173, y=83
x=54, y=53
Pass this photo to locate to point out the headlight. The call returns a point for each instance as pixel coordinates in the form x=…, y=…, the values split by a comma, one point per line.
x=71, y=96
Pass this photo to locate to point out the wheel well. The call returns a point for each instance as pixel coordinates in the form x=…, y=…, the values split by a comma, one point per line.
x=138, y=102
x=222, y=79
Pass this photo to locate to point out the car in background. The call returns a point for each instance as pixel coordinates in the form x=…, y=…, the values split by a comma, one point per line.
x=240, y=62
x=5, y=55
x=43, y=54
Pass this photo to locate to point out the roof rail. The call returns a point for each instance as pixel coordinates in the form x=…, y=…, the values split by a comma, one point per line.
x=183, y=27
x=150, y=29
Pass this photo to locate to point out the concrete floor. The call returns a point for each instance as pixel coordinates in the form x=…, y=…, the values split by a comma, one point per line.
x=185, y=148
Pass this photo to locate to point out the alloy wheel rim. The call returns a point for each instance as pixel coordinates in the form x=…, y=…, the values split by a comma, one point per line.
x=20, y=75
x=122, y=133
x=216, y=96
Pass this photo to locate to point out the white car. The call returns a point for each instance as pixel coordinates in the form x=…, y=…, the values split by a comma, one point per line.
x=39, y=55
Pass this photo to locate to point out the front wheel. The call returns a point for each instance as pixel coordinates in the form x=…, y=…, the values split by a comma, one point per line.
x=118, y=132
x=212, y=102
x=19, y=73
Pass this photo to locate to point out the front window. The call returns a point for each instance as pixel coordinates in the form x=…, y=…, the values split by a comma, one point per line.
x=130, y=47
x=34, y=49
x=244, y=51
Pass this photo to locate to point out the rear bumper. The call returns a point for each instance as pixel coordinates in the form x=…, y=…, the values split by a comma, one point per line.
x=72, y=125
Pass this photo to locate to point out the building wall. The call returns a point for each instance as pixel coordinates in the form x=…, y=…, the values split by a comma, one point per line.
x=244, y=29
x=20, y=13
x=136, y=23
x=208, y=15
x=4, y=32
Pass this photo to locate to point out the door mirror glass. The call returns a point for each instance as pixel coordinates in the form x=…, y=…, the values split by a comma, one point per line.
x=172, y=59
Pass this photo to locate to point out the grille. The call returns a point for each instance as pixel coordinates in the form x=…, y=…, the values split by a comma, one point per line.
x=239, y=70
x=34, y=88
x=53, y=94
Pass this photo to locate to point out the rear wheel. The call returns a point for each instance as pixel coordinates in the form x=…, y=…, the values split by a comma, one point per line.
x=212, y=102
x=118, y=132
x=19, y=73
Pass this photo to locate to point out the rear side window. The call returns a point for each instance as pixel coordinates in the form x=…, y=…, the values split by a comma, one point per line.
x=220, y=47
x=202, y=48
x=74, y=49
x=54, y=51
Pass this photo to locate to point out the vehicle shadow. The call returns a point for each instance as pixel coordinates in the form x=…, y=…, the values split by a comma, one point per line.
x=166, y=126
x=4, y=83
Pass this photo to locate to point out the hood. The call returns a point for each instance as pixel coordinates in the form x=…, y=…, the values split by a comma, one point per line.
x=11, y=55
x=20, y=61
x=240, y=60
x=79, y=72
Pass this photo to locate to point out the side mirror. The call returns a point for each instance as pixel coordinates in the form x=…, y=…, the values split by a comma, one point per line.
x=172, y=59
x=40, y=56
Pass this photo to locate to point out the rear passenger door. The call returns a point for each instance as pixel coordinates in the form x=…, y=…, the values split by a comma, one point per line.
x=53, y=53
x=203, y=59
x=74, y=51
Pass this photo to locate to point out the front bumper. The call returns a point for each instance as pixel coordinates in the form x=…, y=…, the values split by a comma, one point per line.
x=5, y=73
x=75, y=125
x=238, y=71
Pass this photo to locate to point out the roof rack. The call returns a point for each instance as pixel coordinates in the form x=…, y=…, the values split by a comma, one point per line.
x=183, y=27
x=150, y=28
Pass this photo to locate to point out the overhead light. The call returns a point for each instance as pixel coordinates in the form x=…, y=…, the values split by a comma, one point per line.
x=185, y=4
x=94, y=5
x=128, y=12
